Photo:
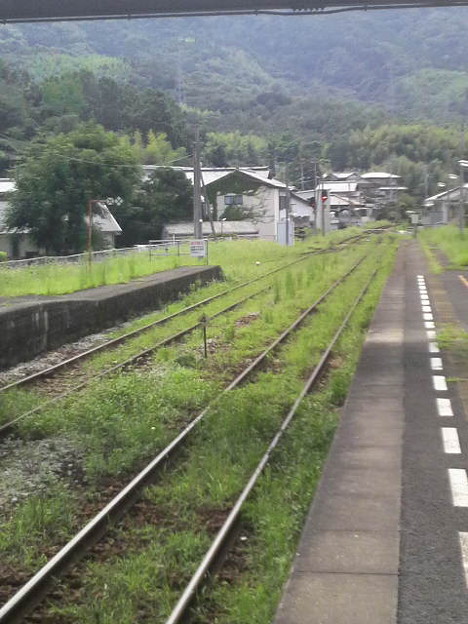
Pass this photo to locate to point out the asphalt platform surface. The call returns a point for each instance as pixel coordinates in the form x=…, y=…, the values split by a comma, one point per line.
x=386, y=538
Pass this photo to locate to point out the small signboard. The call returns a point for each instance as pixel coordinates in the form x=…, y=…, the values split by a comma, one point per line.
x=198, y=248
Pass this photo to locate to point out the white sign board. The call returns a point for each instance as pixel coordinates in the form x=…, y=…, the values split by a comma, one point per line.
x=198, y=248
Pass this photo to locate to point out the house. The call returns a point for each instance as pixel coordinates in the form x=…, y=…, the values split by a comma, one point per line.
x=18, y=243
x=355, y=198
x=248, y=194
x=104, y=221
x=444, y=207
x=381, y=189
x=345, y=209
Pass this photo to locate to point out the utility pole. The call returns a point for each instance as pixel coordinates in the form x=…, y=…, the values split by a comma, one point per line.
x=197, y=215
x=462, y=163
x=287, y=203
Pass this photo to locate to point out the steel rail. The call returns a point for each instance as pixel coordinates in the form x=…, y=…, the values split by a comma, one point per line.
x=212, y=554
x=51, y=370
x=6, y=427
x=31, y=593
x=120, y=339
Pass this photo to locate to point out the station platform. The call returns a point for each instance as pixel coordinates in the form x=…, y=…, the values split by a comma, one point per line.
x=386, y=538
x=34, y=324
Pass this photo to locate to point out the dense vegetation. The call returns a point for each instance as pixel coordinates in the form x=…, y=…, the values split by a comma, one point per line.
x=360, y=91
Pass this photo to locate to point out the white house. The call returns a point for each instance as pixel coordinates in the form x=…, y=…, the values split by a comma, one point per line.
x=17, y=242
x=248, y=194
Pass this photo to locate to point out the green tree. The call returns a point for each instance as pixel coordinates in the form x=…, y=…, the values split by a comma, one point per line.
x=59, y=176
x=157, y=150
x=166, y=197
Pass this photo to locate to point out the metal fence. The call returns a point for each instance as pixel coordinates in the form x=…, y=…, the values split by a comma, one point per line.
x=154, y=248
x=160, y=248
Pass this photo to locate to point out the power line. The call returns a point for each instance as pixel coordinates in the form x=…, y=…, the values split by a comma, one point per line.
x=11, y=140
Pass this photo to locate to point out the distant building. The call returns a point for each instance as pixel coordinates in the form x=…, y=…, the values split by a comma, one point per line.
x=444, y=208
x=18, y=243
x=356, y=198
x=249, y=194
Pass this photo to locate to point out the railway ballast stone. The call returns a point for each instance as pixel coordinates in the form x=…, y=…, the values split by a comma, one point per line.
x=32, y=325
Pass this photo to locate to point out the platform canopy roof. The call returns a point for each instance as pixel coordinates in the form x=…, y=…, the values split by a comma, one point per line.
x=12, y=11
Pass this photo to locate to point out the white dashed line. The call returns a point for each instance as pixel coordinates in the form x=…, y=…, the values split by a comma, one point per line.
x=436, y=363
x=431, y=335
x=444, y=407
x=459, y=486
x=451, y=441
x=429, y=324
x=427, y=316
x=426, y=308
x=439, y=383
x=433, y=348
x=464, y=554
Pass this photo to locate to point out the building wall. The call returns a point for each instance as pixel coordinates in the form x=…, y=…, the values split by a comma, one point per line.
x=25, y=246
x=264, y=205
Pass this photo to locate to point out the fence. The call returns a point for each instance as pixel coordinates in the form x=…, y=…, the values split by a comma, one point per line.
x=162, y=248
x=169, y=247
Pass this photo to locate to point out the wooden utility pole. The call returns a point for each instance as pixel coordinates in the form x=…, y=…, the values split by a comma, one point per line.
x=197, y=213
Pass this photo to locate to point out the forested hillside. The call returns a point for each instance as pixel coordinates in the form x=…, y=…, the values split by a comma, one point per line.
x=357, y=90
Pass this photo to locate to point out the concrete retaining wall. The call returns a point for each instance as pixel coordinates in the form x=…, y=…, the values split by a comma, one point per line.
x=31, y=325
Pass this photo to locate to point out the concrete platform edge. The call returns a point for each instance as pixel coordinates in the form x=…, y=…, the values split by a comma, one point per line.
x=346, y=568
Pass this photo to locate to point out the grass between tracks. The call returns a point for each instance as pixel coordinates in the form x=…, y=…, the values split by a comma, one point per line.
x=121, y=422
x=313, y=275
x=450, y=241
x=237, y=258
x=154, y=552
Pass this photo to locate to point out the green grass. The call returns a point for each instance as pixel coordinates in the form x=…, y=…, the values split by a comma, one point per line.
x=450, y=241
x=213, y=470
x=238, y=259
x=123, y=421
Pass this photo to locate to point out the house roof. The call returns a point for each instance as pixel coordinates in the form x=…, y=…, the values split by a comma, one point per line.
x=227, y=227
x=6, y=185
x=377, y=175
x=104, y=219
x=296, y=197
x=342, y=175
x=450, y=194
x=338, y=200
x=3, y=225
x=392, y=188
x=339, y=187
x=213, y=174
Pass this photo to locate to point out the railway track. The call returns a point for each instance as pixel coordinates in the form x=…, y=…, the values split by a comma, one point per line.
x=213, y=559
x=111, y=344
x=32, y=592
x=142, y=355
